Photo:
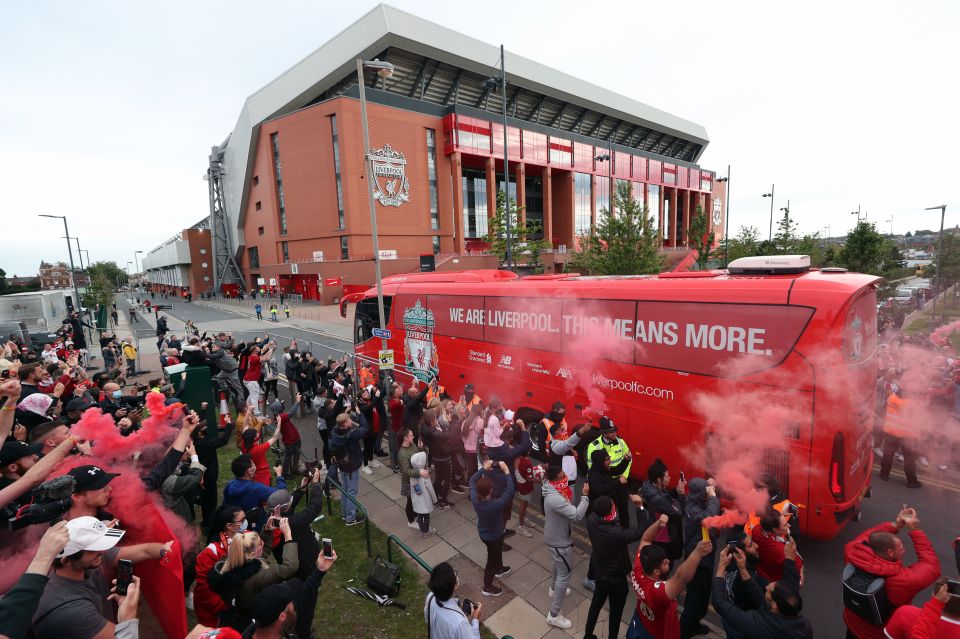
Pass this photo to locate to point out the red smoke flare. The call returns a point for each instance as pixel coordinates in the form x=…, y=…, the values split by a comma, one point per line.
x=727, y=519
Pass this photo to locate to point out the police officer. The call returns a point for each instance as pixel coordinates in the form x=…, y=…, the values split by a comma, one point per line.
x=620, y=461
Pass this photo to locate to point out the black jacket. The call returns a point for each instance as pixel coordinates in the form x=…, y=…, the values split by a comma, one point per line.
x=413, y=409
x=350, y=438
x=697, y=507
x=760, y=623
x=670, y=503
x=610, y=557
x=307, y=546
x=601, y=481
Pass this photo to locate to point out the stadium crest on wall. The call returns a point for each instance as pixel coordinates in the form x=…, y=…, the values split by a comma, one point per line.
x=390, y=184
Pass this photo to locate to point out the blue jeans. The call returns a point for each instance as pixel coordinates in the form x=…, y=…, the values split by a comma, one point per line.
x=351, y=483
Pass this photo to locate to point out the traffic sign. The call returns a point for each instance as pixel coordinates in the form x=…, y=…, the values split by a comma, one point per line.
x=382, y=333
x=386, y=360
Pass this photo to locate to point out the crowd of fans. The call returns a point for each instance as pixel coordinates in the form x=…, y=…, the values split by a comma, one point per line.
x=260, y=569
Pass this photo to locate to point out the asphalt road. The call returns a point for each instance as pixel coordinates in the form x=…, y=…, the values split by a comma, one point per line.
x=936, y=502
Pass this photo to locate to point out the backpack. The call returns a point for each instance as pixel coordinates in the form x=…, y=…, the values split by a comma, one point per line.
x=865, y=595
x=341, y=456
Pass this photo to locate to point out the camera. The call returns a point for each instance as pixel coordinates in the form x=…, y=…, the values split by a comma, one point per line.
x=467, y=606
x=51, y=500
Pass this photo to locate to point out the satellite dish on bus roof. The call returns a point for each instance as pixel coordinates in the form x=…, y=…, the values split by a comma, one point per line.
x=770, y=265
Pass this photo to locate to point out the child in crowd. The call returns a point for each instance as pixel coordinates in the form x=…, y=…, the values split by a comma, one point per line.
x=422, y=495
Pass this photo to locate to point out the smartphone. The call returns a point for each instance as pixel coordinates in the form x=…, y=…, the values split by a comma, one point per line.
x=732, y=546
x=953, y=587
x=124, y=575
x=327, y=548
x=682, y=476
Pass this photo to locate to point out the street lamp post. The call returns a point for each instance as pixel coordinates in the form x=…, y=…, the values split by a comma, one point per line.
x=726, y=221
x=73, y=276
x=890, y=221
x=139, y=276
x=770, y=195
x=384, y=70
x=857, y=213
x=936, y=277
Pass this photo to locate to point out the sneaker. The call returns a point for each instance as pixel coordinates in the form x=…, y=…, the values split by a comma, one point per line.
x=375, y=464
x=503, y=572
x=413, y=524
x=559, y=621
x=507, y=547
x=589, y=584
x=523, y=532
x=444, y=505
x=492, y=591
x=923, y=461
x=366, y=470
x=914, y=484
x=358, y=519
x=550, y=594
x=878, y=451
x=898, y=456
x=459, y=490
x=396, y=469
x=429, y=533
x=509, y=532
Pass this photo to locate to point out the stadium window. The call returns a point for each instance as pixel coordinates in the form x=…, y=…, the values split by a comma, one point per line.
x=432, y=179
x=258, y=206
x=336, y=171
x=285, y=250
x=256, y=180
x=260, y=230
x=344, y=248
x=282, y=211
x=436, y=244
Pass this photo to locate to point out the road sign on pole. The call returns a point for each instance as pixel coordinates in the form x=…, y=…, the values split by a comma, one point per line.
x=386, y=360
x=382, y=333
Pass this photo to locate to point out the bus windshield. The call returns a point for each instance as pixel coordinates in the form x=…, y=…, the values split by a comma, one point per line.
x=367, y=318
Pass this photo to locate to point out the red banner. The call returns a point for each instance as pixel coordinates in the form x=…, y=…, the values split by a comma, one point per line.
x=333, y=281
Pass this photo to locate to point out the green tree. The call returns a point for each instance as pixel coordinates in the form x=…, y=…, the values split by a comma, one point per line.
x=746, y=243
x=865, y=250
x=525, y=250
x=700, y=239
x=113, y=273
x=623, y=244
x=950, y=266
x=785, y=239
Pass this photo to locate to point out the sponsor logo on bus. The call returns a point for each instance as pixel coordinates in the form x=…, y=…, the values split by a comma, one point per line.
x=480, y=357
x=506, y=362
x=535, y=367
x=631, y=386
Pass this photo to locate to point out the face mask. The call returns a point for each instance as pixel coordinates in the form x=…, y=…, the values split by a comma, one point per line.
x=243, y=526
x=556, y=417
x=116, y=394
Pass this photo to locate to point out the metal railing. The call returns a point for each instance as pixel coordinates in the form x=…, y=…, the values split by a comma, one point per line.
x=356, y=502
x=393, y=539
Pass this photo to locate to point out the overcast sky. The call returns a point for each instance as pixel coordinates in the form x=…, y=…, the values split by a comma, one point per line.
x=109, y=109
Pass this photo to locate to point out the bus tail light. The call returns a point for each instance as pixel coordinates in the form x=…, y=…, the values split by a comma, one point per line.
x=837, y=474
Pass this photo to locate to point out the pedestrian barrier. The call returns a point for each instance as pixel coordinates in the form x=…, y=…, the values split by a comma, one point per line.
x=343, y=493
x=393, y=539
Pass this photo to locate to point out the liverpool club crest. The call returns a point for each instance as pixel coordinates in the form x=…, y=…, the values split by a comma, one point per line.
x=390, y=184
x=419, y=352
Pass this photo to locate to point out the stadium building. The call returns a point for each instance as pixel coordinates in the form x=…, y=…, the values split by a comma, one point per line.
x=288, y=187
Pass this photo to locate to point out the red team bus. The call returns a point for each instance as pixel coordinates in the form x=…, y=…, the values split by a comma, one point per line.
x=648, y=346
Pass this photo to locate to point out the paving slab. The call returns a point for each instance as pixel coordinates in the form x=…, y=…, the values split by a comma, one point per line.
x=518, y=619
x=525, y=578
x=439, y=553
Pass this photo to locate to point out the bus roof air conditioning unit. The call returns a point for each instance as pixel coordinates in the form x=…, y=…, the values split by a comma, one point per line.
x=770, y=265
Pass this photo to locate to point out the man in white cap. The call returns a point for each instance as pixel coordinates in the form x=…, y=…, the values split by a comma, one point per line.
x=75, y=601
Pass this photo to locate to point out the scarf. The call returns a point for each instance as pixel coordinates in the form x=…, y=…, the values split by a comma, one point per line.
x=613, y=514
x=563, y=487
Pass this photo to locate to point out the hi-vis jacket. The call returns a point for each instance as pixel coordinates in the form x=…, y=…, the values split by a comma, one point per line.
x=617, y=451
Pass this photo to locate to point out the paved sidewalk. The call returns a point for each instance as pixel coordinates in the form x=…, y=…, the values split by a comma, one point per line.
x=322, y=319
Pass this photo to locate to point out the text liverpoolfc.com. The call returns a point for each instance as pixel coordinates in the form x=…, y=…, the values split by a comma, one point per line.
x=631, y=386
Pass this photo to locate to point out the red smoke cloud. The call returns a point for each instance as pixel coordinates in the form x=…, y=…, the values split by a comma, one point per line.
x=941, y=335
x=141, y=512
x=726, y=519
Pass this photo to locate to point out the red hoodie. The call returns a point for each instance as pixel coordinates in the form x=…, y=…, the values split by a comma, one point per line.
x=288, y=432
x=902, y=583
x=909, y=622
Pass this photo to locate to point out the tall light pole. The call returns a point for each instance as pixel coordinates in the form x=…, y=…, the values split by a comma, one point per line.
x=73, y=277
x=726, y=221
x=489, y=84
x=857, y=213
x=384, y=70
x=770, y=195
x=891, y=225
x=936, y=277
x=139, y=276
x=129, y=264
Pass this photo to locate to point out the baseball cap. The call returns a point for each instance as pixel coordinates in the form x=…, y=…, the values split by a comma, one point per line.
x=91, y=477
x=14, y=450
x=607, y=425
x=89, y=533
x=273, y=600
x=77, y=403
x=276, y=407
x=280, y=497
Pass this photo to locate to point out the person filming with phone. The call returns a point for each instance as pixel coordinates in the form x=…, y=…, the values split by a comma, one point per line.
x=447, y=616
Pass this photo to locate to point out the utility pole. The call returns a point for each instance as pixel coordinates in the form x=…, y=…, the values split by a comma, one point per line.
x=726, y=221
x=770, y=195
x=936, y=277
